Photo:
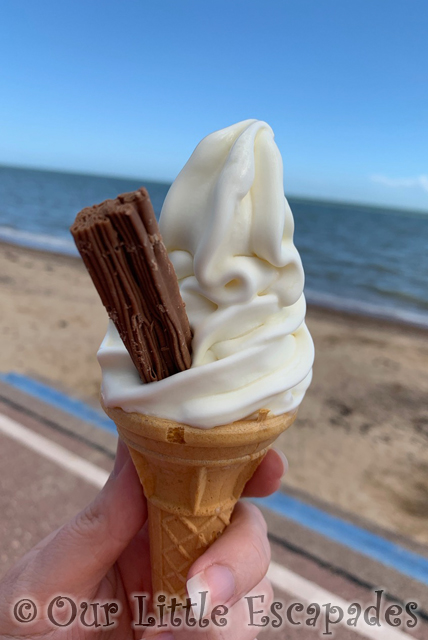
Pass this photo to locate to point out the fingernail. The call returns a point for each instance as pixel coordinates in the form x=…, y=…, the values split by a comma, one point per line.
x=217, y=582
x=284, y=460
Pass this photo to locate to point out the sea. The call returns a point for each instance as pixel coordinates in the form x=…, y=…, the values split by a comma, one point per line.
x=357, y=258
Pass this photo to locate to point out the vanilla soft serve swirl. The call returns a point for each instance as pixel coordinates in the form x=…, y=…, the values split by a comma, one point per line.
x=229, y=233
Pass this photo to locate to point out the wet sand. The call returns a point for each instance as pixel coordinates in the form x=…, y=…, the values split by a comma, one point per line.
x=361, y=437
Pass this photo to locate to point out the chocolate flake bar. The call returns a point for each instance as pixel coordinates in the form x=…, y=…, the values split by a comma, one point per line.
x=120, y=243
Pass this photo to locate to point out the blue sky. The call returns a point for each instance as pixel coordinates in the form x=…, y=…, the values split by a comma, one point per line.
x=129, y=88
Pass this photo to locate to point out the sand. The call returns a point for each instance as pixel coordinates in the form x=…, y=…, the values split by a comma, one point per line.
x=360, y=439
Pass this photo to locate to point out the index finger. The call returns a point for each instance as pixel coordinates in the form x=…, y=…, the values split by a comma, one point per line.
x=267, y=477
x=235, y=563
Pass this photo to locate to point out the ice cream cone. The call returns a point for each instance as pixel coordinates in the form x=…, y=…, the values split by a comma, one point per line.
x=192, y=479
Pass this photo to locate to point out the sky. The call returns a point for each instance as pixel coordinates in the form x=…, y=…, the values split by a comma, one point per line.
x=129, y=88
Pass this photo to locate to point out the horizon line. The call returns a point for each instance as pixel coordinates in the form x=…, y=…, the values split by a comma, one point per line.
x=301, y=198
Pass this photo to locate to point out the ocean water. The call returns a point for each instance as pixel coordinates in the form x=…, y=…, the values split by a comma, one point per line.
x=358, y=258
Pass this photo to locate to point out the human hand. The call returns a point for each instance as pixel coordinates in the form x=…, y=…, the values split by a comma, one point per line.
x=102, y=555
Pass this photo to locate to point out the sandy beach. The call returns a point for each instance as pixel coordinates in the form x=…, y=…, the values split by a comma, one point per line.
x=360, y=439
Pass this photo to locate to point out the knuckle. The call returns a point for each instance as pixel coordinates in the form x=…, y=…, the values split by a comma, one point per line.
x=88, y=520
x=257, y=515
x=260, y=545
x=260, y=554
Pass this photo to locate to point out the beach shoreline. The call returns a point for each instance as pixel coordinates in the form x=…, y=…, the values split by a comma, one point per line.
x=314, y=308
x=360, y=439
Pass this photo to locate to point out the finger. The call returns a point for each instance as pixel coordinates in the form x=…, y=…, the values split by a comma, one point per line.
x=122, y=456
x=86, y=547
x=134, y=564
x=267, y=478
x=235, y=563
x=246, y=618
x=243, y=621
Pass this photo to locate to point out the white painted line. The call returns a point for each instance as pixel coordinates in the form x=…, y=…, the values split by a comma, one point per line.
x=307, y=591
x=54, y=452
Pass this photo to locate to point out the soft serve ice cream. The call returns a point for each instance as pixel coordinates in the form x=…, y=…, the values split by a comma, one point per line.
x=229, y=234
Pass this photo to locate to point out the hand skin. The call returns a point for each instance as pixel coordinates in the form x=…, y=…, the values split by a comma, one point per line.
x=102, y=554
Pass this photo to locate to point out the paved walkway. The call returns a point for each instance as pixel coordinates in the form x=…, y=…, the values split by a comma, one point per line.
x=52, y=464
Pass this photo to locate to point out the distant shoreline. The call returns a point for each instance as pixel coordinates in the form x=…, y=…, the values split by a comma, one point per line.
x=350, y=309
x=353, y=317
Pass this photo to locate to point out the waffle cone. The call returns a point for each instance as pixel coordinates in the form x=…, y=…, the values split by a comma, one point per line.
x=192, y=479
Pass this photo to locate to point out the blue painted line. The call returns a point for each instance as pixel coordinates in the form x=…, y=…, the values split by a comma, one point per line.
x=345, y=533
x=349, y=535
x=59, y=400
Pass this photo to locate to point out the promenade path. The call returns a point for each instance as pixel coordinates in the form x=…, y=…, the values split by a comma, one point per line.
x=53, y=463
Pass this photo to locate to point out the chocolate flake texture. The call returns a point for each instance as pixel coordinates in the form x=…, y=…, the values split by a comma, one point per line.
x=120, y=243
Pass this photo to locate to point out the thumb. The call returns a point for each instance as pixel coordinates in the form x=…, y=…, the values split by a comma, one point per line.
x=84, y=549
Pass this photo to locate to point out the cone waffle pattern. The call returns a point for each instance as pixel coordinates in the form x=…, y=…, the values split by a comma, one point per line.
x=192, y=479
x=177, y=541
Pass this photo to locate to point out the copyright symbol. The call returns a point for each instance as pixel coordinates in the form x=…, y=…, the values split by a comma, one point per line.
x=25, y=610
